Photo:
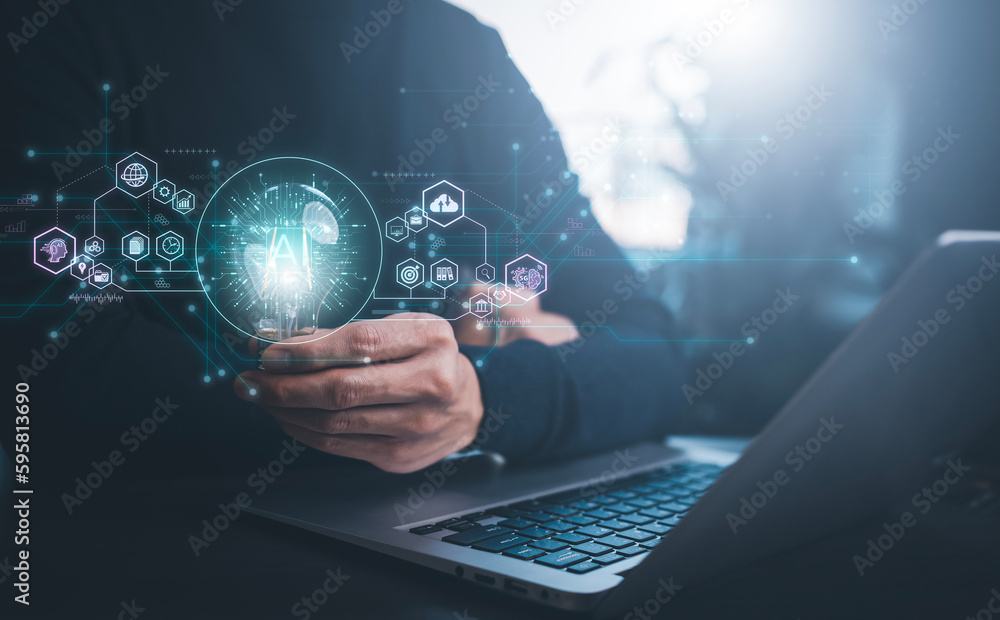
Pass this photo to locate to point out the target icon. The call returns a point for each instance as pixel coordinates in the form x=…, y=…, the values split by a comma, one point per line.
x=410, y=273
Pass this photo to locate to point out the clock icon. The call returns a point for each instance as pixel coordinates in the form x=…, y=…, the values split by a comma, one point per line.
x=170, y=245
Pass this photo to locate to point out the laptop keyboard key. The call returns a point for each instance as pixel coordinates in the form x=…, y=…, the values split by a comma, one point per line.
x=641, y=502
x=571, y=538
x=474, y=535
x=630, y=551
x=609, y=558
x=636, y=535
x=615, y=542
x=592, y=548
x=461, y=527
x=425, y=529
x=594, y=531
x=615, y=524
x=476, y=516
x=499, y=543
x=537, y=516
x=671, y=521
x=516, y=523
x=621, y=507
x=636, y=519
x=581, y=520
x=675, y=507
x=601, y=513
x=584, y=505
x=559, y=526
x=548, y=545
x=535, y=532
x=655, y=528
x=561, y=511
x=449, y=522
x=656, y=513
x=561, y=559
x=583, y=567
x=523, y=552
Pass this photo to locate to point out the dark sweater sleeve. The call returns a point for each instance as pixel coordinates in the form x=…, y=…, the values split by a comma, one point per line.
x=621, y=381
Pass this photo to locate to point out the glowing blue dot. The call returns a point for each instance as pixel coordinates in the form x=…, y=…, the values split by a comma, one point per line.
x=432, y=236
x=191, y=308
x=201, y=260
x=583, y=213
x=517, y=147
x=59, y=197
x=124, y=278
x=413, y=246
x=34, y=198
x=567, y=174
x=253, y=392
x=83, y=285
x=750, y=341
x=53, y=334
x=435, y=305
x=854, y=260
x=215, y=163
x=562, y=237
x=31, y=153
x=222, y=372
x=402, y=90
x=208, y=287
x=431, y=254
x=159, y=270
x=479, y=363
x=107, y=87
x=207, y=379
x=548, y=192
x=402, y=305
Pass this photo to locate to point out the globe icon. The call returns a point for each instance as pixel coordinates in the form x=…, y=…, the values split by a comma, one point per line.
x=135, y=175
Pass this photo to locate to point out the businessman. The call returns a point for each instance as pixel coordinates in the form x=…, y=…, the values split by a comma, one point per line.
x=335, y=75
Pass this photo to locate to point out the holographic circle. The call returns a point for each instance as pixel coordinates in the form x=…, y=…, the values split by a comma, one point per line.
x=289, y=245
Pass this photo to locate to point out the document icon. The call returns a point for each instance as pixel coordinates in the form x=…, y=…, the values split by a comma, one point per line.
x=135, y=246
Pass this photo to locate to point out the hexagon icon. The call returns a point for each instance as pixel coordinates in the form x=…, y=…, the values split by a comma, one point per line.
x=100, y=275
x=481, y=306
x=170, y=246
x=500, y=295
x=486, y=273
x=94, y=246
x=416, y=219
x=444, y=203
x=184, y=202
x=164, y=191
x=396, y=229
x=55, y=250
x=527, y=277
x=135, y=245
x=444, y=273
x=410, y=273
x=81, y=267
x=136, y=175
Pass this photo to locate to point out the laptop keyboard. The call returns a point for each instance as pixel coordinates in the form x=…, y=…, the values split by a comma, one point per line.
x=589, y=527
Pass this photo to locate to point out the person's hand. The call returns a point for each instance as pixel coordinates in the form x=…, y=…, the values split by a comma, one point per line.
x=520, y=321
x=395, y=392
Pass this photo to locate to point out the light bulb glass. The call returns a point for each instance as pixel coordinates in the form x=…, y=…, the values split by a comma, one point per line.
x=290, y=245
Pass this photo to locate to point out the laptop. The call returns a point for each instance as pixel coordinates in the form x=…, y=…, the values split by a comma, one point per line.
x=607, y=533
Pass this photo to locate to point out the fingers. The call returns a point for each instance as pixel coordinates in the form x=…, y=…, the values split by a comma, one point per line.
x=392, y=338
x=387, y=421
x=348, y=388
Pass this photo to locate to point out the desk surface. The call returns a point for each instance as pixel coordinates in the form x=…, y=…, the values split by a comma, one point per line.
x=129, y=542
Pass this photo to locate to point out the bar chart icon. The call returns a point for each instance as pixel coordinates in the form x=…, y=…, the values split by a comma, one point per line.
x=20, y=227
